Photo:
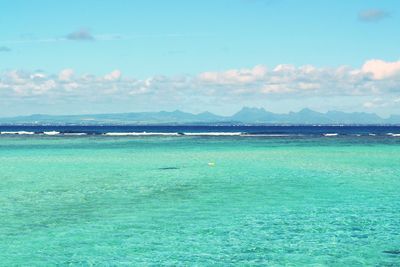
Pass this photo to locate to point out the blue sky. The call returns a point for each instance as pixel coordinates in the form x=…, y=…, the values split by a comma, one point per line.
x=215, y=55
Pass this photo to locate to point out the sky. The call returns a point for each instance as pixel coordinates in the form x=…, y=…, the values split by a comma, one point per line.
x=107, y=56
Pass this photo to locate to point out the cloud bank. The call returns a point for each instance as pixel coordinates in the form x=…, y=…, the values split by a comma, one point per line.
x=374, y=79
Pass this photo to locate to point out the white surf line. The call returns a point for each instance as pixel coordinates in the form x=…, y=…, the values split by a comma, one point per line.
x=18, y=132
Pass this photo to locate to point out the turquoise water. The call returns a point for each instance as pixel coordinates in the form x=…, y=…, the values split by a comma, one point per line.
x=157, y=201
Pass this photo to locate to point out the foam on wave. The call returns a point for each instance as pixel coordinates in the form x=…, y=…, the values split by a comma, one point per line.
x=51, y=133
x=330, y=134
x=268, y=135
x=140, y=134
x=191, y=134
x=74, y=134
x=18, y=132
x=215, y=134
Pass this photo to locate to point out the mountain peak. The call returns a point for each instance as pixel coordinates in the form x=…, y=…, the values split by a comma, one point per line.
x=307, y=111
x=252, y=114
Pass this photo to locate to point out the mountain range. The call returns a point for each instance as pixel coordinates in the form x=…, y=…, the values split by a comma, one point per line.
x=247, y=115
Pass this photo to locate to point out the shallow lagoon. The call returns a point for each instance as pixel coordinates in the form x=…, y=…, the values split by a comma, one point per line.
x=156, y=200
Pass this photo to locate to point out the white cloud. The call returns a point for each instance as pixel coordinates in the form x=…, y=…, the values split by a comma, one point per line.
x=38, y=76
x=112, y=76
x=234, y=76
x=375, y=103
x=24, y=84
x=66, y=74
x=381, y=69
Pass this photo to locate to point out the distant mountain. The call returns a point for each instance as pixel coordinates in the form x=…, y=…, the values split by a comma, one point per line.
x=254, y=115
x=358, y=117
x=308, y=116
x=246, y=115
x=162, y=117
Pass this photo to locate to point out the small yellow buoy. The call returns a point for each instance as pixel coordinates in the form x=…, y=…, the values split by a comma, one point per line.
x=211, y=164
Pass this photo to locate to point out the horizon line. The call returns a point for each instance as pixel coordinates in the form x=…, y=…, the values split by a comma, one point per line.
x=202, y=112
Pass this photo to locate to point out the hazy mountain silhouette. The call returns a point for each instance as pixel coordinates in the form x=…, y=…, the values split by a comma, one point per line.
x=247, y=115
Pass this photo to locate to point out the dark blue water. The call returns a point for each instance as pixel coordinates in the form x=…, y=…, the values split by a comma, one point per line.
x=256, y=130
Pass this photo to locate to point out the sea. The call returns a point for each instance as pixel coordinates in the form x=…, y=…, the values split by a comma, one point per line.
x=200, y=195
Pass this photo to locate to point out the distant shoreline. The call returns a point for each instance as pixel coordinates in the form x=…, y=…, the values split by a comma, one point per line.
x=246, y=116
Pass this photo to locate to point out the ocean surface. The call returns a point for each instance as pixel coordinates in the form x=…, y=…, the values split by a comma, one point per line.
x=205, y=196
